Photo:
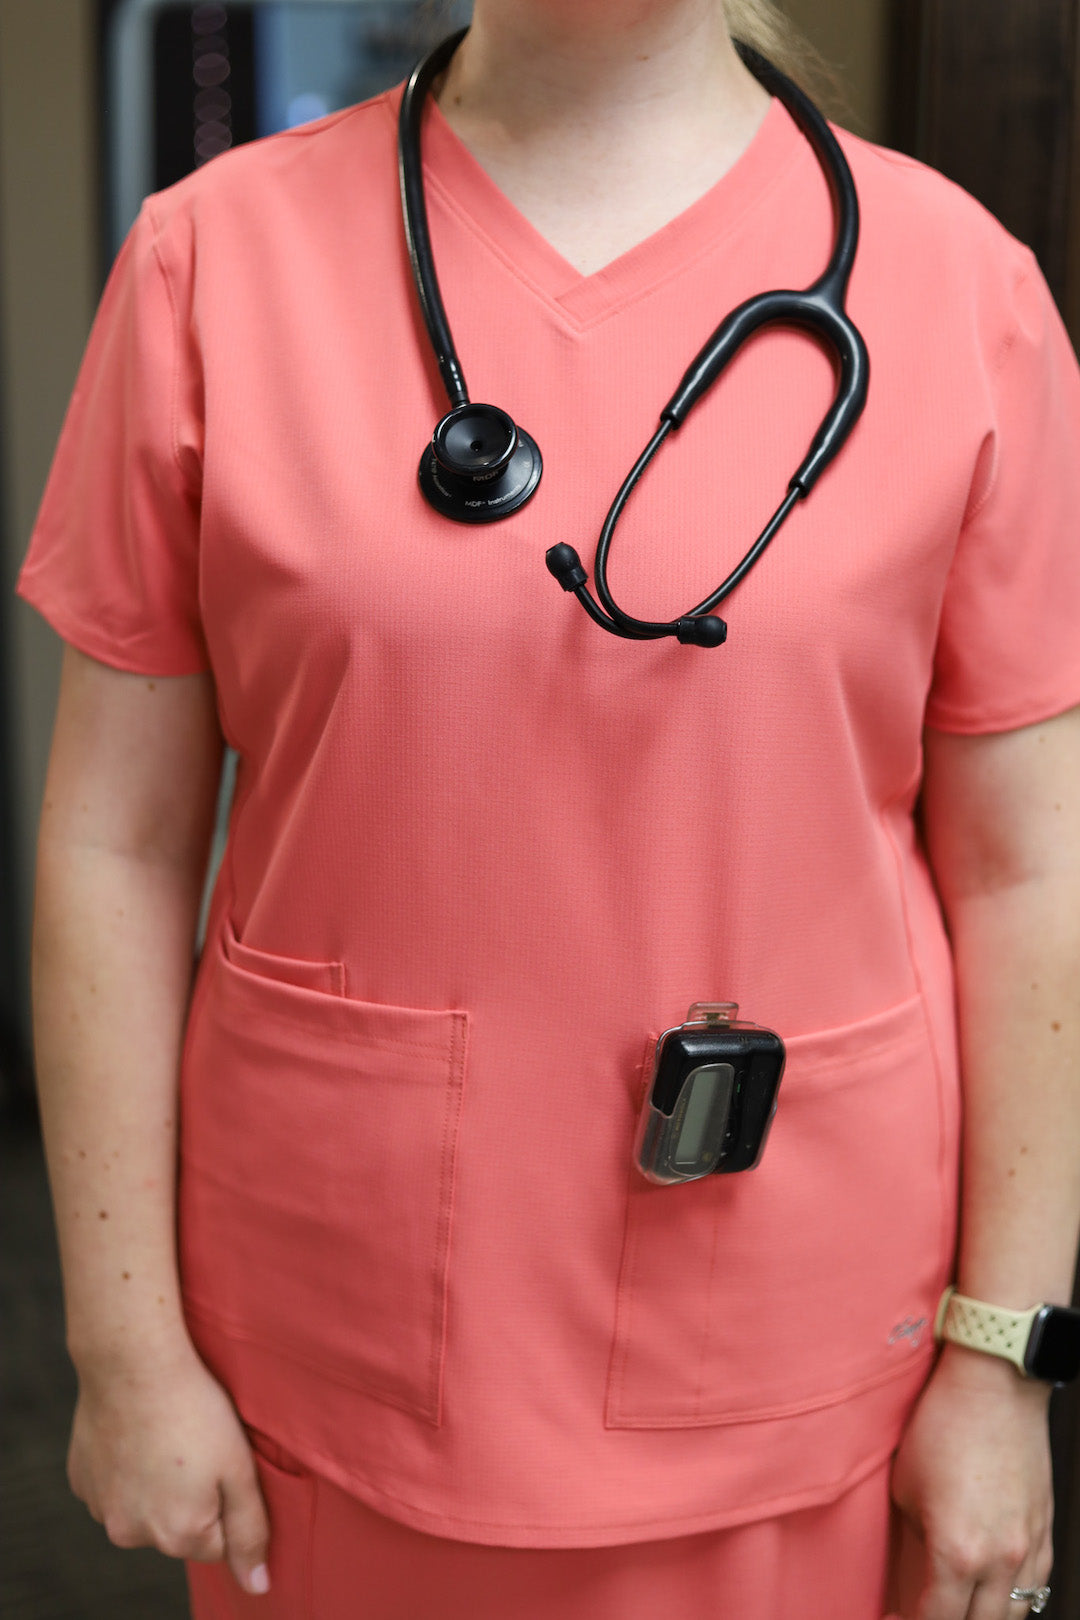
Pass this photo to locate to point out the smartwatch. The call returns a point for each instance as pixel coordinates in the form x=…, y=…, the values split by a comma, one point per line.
x=1042, y=1343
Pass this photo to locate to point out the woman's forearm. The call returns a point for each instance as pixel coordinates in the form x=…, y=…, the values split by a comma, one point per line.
x=972, y=1476
x=112, y=965
x=1017, y=953
x=1000, y=817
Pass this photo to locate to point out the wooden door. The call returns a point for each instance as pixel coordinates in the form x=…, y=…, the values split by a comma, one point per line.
x=988, y=91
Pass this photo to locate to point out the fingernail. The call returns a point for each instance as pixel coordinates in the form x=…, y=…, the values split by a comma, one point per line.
x=259, y=1579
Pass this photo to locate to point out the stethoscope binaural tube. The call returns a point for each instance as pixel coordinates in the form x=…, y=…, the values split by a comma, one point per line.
x=480, y=467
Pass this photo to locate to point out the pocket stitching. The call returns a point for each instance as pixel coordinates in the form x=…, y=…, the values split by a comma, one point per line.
x=905, y=1014
x=910, y=1015
x=438, y=1047
x=766, y=1414
x=624, y=1296
x=231, y=944
x=449, y=1054
x=219, y=1319
x=455, y=1093
x=706, y=1321
x=383, y=1043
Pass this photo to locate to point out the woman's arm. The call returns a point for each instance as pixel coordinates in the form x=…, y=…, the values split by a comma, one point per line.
x=122, y=852
x=1001, y=818
x=124, y=839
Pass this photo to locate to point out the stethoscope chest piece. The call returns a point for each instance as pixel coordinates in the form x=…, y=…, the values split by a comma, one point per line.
x=479, y=466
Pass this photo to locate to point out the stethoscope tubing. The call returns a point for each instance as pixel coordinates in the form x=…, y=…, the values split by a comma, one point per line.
x=818, y=309
x=415, y=216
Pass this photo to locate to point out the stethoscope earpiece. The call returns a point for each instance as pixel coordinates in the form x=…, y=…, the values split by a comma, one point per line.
x=479, y=466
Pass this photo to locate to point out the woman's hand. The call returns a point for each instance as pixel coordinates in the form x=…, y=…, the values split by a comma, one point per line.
x=972, y=1479
x=160, y=1458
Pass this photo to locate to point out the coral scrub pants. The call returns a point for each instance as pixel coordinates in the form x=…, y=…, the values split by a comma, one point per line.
x=334, y=1558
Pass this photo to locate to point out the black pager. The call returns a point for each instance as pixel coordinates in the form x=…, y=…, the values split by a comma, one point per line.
x=712, y=1097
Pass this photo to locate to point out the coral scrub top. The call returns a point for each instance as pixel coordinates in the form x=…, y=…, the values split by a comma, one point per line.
x=482, y=853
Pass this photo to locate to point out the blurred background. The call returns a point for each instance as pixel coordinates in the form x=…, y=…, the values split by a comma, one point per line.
x=102, y=101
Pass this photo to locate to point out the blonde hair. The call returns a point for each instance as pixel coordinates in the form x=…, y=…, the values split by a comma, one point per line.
x=759, y=23
x=763, y=25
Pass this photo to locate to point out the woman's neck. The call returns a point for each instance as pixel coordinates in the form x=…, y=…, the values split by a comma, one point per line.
x=600, y=68
x=601, y=119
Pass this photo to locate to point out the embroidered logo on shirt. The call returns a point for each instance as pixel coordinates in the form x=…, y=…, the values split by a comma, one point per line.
x=910, y=1328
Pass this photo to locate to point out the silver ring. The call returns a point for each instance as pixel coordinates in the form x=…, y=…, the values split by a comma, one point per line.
x=1037, y=1596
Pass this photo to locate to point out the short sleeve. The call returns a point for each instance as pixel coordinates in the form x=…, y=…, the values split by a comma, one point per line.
x=1008, y=651
x=113, y=559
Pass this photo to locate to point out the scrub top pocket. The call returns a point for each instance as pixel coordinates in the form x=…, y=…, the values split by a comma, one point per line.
x=318, y=1154
x=814, y=1276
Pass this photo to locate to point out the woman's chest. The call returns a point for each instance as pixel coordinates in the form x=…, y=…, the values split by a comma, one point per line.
x=323, y=566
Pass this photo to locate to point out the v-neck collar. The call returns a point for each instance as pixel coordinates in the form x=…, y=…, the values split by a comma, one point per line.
x=455, y=175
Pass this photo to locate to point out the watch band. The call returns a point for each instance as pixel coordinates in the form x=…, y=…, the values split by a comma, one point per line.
x=993, y=1329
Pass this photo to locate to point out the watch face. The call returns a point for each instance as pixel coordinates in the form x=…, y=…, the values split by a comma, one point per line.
x=1053, y=1351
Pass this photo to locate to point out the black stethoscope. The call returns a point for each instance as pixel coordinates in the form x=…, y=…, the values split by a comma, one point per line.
x=480, y=467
